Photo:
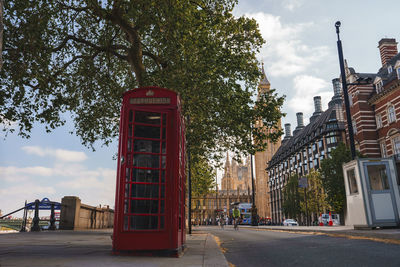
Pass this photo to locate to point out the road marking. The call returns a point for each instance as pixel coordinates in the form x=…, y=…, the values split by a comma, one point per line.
x=376, y=239
x=223, y=250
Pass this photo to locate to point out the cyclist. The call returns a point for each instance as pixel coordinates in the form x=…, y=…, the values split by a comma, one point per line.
x=236, y=217
x=222, y=221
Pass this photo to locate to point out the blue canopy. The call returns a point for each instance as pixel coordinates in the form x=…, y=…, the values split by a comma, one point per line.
x=45, y=204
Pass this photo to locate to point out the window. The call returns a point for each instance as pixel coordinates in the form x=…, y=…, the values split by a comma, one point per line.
x=391, y=114
x=383, y=149
x=354, y=127
x=390, y=69
x=351, y=177
x=378, y=179
x=396, y=145
x=398, y=73
x=350, y=99
x=378, y=86
x=378, y=119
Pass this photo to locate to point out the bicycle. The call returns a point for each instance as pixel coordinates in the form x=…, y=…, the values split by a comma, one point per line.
x=236, y=224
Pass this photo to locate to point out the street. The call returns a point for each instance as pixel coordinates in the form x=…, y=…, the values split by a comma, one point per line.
x=253, y=247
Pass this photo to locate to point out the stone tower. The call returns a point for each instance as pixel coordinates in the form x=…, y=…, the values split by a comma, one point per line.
x=261, y=160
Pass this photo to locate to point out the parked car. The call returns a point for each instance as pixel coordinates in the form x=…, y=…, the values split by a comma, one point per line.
x=290, y=222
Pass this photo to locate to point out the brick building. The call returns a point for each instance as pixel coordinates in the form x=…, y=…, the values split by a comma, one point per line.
x=375, y=104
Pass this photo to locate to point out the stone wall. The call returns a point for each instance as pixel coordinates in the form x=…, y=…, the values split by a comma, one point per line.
x=77, y=216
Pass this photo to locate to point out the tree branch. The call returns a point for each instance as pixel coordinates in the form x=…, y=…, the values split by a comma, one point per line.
x=108, y=49
x=77, y=9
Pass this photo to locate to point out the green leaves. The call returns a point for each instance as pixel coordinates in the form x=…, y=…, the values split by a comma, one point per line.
x=203, y=177
x=80, y=56
x=333, y=180
x=291, y=198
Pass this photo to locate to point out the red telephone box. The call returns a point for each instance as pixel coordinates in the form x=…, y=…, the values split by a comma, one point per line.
x=150, y=195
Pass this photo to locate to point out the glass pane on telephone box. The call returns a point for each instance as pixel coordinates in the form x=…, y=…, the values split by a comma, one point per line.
x=146, y=191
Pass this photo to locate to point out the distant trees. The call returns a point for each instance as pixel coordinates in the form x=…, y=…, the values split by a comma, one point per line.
x=291, y=198
x=203, y=177
x=1, y=33
x=316, y=196
x=333, y=180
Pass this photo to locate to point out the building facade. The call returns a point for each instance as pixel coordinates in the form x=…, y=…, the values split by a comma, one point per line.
x=262, y=190
x=304, y=150
x=375, y=105
x=235, y=187
x=206, y=209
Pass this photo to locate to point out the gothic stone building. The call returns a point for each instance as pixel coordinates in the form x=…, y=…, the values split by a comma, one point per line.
x=235, y=187
x=261, y=160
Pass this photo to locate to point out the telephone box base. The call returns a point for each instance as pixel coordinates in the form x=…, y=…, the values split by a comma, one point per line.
x=174, y=253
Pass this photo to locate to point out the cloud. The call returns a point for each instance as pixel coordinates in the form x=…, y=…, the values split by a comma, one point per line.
x=292, y=4
x=306, y=87
x=59, y=154
x=285, y=53
x=92, y=186
x=15, y=174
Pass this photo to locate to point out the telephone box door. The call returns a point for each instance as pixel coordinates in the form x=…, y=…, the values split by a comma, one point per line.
x=145, y=183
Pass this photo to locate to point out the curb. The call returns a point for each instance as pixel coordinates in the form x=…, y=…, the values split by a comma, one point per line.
x=350, y=235
x=213, y=255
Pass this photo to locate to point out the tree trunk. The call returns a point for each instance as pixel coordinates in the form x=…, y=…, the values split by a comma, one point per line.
x=1, y=33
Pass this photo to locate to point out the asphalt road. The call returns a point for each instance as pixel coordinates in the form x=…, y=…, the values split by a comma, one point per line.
x=247, y=247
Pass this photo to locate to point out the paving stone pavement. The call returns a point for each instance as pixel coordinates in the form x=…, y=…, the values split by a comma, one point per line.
x=93, y=248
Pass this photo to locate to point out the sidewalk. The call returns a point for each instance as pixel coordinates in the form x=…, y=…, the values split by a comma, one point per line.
x=388, y=235
x=93, y=248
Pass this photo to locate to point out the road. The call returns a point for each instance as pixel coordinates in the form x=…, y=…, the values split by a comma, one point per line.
x=252, y=247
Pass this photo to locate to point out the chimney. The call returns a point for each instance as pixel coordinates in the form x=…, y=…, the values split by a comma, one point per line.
x=288, y=132
x=336, y=87
x=300, y=123
x=388, y=49
x=318, y=109
x=317, y=104
x=337, y=93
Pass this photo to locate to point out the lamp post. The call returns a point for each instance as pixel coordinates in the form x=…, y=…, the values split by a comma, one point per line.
x=345, y=93
x=254, y=219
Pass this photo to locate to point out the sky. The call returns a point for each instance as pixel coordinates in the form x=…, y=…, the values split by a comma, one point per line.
x=300, y=61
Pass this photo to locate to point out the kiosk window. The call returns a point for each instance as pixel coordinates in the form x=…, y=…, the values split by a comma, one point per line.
x=351, y=177
x=378, y=179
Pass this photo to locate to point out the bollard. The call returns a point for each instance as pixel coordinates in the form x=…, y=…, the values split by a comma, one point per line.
x=35, y=221
x=52, y=218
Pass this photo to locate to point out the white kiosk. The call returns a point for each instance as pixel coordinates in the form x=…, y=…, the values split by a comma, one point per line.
x=372, y=193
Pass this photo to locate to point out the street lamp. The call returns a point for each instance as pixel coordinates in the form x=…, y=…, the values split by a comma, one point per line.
x=254, y=219
x=345, y=93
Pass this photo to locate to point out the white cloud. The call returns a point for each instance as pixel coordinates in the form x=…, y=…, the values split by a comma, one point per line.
x=292, y=4
x=92, y=186
x=306, y=87
x=59, y=154
x=15, y=174
x=285, y=53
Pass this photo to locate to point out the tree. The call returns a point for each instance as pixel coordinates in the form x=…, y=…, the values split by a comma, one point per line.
x=78, y=57
x=333, y=180
x=1, y=33
x=203, y=177
x=316, y=196
x=291, y=198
